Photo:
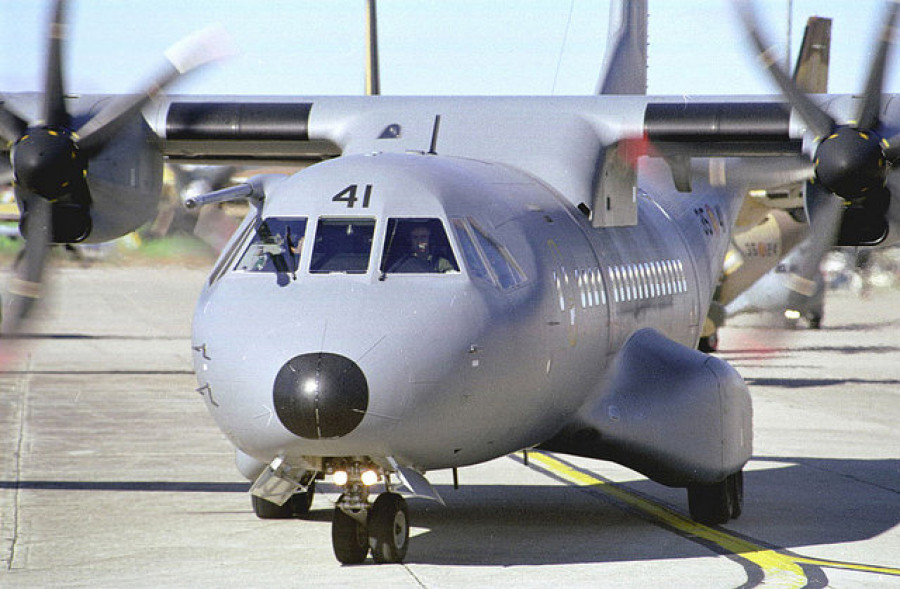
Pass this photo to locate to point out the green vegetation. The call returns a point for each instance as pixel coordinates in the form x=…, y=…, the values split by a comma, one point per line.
x=178, y=250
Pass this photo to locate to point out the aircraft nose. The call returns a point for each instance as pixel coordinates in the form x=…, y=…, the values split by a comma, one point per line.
x=320, y=395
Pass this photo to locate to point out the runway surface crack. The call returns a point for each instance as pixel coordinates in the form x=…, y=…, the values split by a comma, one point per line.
x=21, y=389
x=414, y=577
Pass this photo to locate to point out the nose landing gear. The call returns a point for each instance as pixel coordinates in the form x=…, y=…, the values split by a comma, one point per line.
x=357, y=527
x=388, y=528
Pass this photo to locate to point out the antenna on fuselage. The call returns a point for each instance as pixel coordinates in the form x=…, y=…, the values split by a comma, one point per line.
x=373, y=76
x=434, y=135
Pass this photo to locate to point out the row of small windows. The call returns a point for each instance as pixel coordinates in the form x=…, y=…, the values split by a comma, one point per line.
x=590, y=286
x=634, y=282
x=628, y=282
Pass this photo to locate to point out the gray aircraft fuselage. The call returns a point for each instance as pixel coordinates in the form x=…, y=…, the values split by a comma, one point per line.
x=468, y=276
x=462, y=366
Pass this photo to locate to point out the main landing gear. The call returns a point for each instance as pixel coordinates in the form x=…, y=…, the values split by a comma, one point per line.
x=719, y=502
x=357, y=527
x=297, y=506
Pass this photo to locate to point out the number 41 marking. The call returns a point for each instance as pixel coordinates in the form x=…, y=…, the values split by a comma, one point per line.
x=348, y=195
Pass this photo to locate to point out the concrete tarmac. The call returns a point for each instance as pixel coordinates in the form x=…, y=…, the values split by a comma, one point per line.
x=112, y=474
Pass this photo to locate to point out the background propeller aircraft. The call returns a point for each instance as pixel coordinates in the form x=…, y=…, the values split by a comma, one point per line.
x=461, y=277
x=772, y=222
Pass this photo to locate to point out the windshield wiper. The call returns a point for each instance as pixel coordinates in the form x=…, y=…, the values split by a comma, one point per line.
x=290, y=249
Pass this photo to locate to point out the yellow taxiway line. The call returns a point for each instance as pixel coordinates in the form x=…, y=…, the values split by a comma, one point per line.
x=779, y=569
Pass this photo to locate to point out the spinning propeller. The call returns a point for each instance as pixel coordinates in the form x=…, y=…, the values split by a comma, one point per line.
x=50, y=157
x=851, y=160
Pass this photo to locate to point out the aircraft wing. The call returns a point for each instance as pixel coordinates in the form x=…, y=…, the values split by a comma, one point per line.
x=558, y=139
x=561, y=140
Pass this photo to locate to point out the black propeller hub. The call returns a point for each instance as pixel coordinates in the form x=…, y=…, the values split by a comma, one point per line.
x=851, y=163
x=46, y=161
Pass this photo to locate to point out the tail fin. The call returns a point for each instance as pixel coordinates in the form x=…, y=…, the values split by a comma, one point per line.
x=625, y=68
x=811, y=70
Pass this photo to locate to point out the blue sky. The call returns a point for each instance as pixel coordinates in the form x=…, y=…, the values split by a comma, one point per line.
x=312, y=47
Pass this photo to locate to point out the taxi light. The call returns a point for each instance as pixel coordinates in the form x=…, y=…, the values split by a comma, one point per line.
x=340, y=478
x=369, y=478
x=792, y=314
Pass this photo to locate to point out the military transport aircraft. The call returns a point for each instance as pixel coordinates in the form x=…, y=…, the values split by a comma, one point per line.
x=459, y=278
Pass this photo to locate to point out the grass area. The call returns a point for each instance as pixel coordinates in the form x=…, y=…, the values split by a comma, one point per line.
x=178, y=250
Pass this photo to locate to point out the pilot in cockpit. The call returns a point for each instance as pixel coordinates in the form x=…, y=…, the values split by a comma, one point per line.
x=422, y=256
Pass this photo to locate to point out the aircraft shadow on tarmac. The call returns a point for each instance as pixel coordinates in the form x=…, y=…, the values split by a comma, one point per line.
x=802, y=383
x=731, y=352
x=129, y=486
x=796, y=503
x=811, y=502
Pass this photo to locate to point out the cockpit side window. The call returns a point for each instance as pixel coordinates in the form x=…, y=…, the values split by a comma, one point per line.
x=226, y=260
x=416, y=246
x=473, y=259
x=275, y=247
x=342, y=245
x=500, y=260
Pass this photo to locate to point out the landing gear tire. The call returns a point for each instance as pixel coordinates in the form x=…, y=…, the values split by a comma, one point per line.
x=736, y=489
x=709, y=344
x=302, y=502
x=389, y=528
x=815, y=320
x=268, y=510
x=297, y=505
x=348, y=538
x=717, y=503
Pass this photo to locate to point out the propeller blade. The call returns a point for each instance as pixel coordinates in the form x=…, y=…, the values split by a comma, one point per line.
x=54, y=108
x=817, y=120
x=6, y=173
x=871, y=107
x=11, y=125
x=198, y=49
x=25, y=287
x=892, y=151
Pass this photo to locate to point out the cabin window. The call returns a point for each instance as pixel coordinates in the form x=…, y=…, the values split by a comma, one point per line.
x=342, y=245
x=417, y=246
x=275, y=246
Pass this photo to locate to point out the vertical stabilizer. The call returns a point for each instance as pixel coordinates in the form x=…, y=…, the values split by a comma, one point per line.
x=811, y=70
x=625, y=68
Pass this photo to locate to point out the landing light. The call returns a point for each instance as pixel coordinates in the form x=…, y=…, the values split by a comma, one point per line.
x=340, y=478
x=309, y=387
x=369, y=478
x=792, y=314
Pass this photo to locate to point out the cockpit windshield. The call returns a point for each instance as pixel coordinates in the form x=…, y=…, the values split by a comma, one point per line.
x=342, y=245
x=275, y=247
x=417, y=246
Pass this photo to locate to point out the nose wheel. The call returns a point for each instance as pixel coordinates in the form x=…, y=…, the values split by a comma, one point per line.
x=382, y=528
x=389, y=528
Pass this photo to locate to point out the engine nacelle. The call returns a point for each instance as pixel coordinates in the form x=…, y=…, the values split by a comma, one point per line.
x=125, y=181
